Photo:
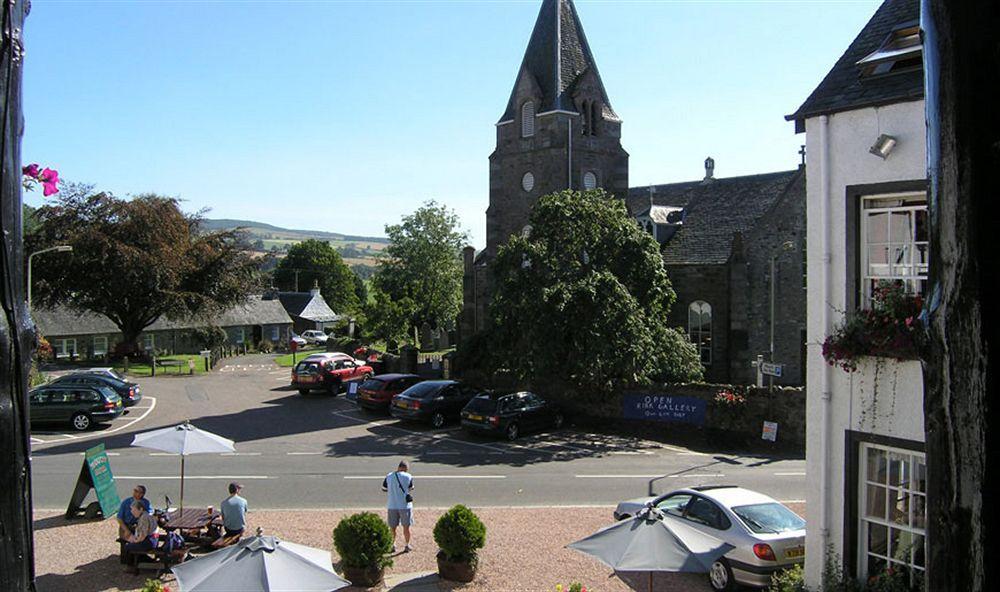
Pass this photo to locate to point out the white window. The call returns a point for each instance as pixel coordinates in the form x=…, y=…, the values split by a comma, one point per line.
x=528, y=182
x=528, y=119
x=894, y=242
x=901, y=50
x=275, y=333
x=700, y=329
x=589, y=181
x=148, y=341
x=239, y=335
x=893, y=511
x=64, y=348
x=100, y=346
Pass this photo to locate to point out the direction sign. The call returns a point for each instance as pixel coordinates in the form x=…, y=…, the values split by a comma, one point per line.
x=771, y=369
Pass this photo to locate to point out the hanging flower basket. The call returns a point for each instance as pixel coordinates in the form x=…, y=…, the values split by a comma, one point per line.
x=889, y=329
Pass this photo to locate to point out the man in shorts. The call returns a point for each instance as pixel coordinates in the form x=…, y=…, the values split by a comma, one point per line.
x=398, y=486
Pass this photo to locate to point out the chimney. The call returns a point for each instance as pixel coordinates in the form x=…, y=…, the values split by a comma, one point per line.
x=709, y=170
x=270, y=294
x=315, y=288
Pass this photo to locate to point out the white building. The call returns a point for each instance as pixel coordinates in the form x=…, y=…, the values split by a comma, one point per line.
x=867, y=221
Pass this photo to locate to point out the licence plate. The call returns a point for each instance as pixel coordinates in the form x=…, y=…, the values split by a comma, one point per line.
x=306, y=379
x=475, y=417
x=795, y=552
x=402, y=404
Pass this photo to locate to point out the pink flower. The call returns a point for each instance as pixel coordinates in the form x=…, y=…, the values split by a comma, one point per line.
x=30, y=171
x=50, y=181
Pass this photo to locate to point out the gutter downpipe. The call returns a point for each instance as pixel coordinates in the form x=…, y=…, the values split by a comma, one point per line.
x=824, y=141
x=569, y=156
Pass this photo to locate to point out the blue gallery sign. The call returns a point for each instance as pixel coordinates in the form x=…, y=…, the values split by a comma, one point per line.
x=664, y=408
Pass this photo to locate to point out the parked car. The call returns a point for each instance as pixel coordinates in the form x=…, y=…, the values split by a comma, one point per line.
x=315, y=337
x=328, y=372
x=299, y=342
x=106, y=372
x=376, y=393
x=767, y=536
x=510, y=415
x=81, y=406
x=433, y=401
x=129, y=392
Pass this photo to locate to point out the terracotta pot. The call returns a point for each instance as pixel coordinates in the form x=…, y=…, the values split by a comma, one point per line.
x=456, y=571
x=365, y=577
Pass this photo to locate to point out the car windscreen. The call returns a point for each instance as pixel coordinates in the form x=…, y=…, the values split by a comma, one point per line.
x=422, y=390
x=482, y=405
x=769, y=518
x=307, y=367
x=373, y=384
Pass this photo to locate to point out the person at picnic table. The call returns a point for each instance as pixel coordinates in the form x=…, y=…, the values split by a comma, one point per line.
x=234, y=512
x=145, y=537
x=127, y=522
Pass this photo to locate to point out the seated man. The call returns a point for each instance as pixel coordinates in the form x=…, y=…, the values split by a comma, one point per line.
x=145, y=536
x=126, y=522
x=234, y=516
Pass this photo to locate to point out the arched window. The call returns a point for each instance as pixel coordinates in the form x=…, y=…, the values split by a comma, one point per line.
x=528, y=182
x=589, y=181
x=700, y=329
x=528, y=119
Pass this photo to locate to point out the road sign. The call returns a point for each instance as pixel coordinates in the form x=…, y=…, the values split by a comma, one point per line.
x=771, y=369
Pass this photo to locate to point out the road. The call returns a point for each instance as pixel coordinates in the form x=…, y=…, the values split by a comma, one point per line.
x=321, y=452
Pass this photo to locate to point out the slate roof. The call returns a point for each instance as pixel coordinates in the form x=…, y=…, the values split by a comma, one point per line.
x=714, y=211
x=843, y=89
x=64, y=321
x=558, y=55
x=308, y=306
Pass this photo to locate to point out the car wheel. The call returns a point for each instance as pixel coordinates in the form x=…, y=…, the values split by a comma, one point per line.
x=333, y=388
x=81, y=422
x=558, y=421
x=303, y=392
x=437, y=420
x=721, y=576
x=513, y=431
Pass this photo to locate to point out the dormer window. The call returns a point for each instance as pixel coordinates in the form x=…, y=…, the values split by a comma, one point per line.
x=528, y=119
x=901, y=51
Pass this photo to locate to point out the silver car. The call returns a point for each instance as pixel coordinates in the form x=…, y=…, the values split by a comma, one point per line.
x=767, y=536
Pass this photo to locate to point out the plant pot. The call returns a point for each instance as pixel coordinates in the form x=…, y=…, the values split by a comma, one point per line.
x=365, y=577
x=456, y=571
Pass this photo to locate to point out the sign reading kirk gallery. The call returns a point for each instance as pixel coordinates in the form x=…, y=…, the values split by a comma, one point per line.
x=664, y=408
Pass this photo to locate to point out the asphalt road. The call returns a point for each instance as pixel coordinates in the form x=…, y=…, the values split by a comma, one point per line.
x=321, y=452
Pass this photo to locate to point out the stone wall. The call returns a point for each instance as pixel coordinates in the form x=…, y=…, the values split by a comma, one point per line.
x=708, y=283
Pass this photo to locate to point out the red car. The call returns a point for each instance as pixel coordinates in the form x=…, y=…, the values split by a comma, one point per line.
x=328, y=372
x=376, y=394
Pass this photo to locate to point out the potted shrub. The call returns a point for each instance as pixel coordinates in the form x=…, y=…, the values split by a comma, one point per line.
x=459, y=534
x=364, y=543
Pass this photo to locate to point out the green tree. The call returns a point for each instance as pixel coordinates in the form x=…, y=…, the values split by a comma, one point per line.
x=583, y=297
x=388, y=319
x=423, y=264
x=316, y=262
x=136, y=260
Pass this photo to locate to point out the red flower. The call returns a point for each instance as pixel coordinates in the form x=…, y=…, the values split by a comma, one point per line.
x=50, y=181
x=30, y=171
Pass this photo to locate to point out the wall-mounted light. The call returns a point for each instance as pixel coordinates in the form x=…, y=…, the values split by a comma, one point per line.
x=883, y=146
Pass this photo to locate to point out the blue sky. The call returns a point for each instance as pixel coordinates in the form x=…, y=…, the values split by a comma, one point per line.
x=346, y=115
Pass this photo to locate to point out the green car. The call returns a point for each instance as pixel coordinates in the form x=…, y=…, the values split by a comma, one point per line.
x=80, y=406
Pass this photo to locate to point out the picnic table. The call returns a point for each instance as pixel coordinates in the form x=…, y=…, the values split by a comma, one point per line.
x=180, y=364
x=190, y=519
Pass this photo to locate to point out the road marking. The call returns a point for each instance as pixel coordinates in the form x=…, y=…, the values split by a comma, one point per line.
x=689, y=453
x=630, y=452
x=792, y=501
x=800, y=474
x=103, y=433
x=34, y=439
x=439, y=438
x=423, y=477
x=187, y=477
x=441, y=453
x=698, y=475
x=617, y=476
x=303, y=453
x=239, y=454
x=163, y=454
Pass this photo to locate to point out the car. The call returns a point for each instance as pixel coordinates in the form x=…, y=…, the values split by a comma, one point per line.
x=106, y=372
x=376, y=393
x=433, y=401
x=129, y=392
x=315, y=337
x=767, y=537
x=510, y=415
x=297, y=341
x=328, y=372
x=81, y=406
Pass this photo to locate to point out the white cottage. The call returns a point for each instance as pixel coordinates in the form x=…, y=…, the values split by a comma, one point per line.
x=867, y=222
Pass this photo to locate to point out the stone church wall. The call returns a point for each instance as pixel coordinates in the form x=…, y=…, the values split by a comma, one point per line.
x=709, y=283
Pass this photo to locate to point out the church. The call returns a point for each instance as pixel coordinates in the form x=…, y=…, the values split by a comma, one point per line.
x=733, y=247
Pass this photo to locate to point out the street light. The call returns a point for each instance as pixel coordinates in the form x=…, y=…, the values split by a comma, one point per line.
x=785, y=246
x=60, y=249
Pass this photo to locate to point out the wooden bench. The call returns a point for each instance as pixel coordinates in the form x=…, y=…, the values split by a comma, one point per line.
x=162, y=560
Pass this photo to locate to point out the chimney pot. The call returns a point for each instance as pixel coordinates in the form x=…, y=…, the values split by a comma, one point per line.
x=709, y=168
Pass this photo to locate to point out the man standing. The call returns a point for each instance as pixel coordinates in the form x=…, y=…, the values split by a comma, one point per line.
x=234, y=512
x=126, y=521
x=398, y=485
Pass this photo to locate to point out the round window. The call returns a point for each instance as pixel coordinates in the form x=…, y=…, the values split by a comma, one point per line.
x=589, y=181
x=528, y=182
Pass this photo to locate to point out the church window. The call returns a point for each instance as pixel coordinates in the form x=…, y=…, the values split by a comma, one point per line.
x=528, y=182
x=589, y=181
x=528, y=119
x=700, y=329
x=594, y=117
x=894, y=243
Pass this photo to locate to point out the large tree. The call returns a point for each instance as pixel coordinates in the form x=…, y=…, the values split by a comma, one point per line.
x=422, y=264
x=136, y=260
x=583, y=296
x=315, y=262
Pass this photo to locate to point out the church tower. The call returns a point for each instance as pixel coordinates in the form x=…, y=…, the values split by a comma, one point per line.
x=559, y=130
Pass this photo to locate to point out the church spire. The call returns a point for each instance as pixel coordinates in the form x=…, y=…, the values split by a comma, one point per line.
x=558, y=57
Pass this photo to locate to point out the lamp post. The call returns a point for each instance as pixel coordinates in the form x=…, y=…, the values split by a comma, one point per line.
x=60, y=249
x=785, y=246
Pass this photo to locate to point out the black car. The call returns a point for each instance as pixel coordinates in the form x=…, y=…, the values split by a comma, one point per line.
x=434, y=401
x=128, y=391
x=81, y=406
x=510, y=415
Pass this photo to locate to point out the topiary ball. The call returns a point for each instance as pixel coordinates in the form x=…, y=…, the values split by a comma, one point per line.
x=459, y=534
x=363, y=540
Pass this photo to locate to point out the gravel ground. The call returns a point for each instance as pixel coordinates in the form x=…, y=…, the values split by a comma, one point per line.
x=524, y=551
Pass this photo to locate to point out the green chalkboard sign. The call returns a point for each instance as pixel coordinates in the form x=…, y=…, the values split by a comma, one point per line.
x=95, y=473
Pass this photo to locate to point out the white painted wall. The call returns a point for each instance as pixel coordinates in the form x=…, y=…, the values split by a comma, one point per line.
x=900, y=395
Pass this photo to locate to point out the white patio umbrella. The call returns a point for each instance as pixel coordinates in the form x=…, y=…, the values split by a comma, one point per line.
x=183, y=439
x=260, y=564
x=650, y=543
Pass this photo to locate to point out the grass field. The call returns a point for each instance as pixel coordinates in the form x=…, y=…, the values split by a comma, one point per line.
x=285, y=361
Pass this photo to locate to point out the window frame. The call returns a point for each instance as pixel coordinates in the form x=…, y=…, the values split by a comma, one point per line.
x=704, y=345
x=100, y=351
x=528, y=115
x=148, y=341
x=910, y=249
x=61, y=349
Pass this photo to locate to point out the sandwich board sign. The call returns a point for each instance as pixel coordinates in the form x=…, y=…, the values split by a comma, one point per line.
x=770, y=431
x=95, y=474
